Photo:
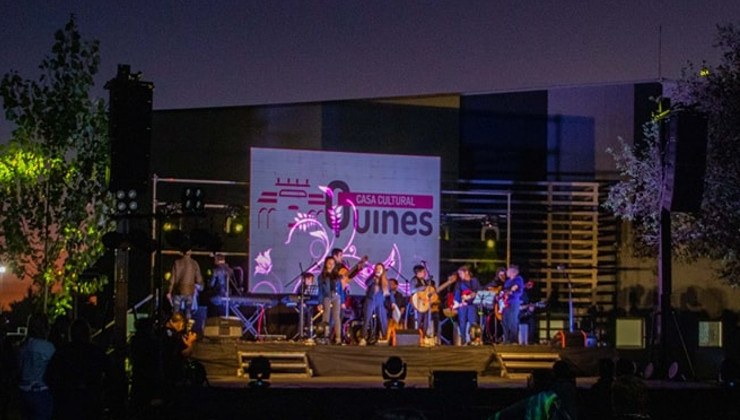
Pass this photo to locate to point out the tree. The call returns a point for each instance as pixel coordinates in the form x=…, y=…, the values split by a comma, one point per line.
x=714, y=232
x=54, y=204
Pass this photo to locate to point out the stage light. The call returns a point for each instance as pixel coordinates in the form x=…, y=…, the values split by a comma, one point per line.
x=489, y=231
x=168, y=275
x=394, y=372
x=476, y=334
x=259, y=372
x=322, y=331
x=192, y=200
x=127, y=201
x=235, y=224
x=168, y=226
x=704, y=72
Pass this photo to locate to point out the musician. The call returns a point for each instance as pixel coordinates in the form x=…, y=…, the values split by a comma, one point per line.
x=498, y=282
x=310, y=288
x=375, y=294
x=338, y=256
x=398, y=297
x=496, y=286
x=527, y=320
x=429, y=321
x=513, y=288
x=185, y=282
x=464, y=292
x=222, y=277
x=330, y=298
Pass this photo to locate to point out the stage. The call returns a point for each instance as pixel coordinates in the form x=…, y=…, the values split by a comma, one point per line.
x=220, y=358
x=346, y=382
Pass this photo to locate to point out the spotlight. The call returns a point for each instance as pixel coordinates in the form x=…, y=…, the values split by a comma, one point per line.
x=235, y=224
x=127, y=201
x=259, y=372
x=168, y=226
x=192, y=200
x=489, y=232
x=476, y=335
x=322, y=332
x=394, y=372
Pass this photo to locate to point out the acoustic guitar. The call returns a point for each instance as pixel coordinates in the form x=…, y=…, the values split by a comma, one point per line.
x=424, y=299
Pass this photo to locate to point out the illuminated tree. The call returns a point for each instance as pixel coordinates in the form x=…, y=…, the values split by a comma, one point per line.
x=713, y=232
x=54, y=203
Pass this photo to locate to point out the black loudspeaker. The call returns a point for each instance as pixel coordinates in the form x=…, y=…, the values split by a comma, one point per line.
x=685, y=161
x=566, y=339
x=457, y=380
x=406, y=338
x=130, y=123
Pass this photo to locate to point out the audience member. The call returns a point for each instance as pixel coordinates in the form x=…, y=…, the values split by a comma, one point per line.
x=76, y=375
x=600, y=394
x=146, y=361
x=8, y=371
x=177, y=348
x=564, y=385
x=629, y=393
x=59, y=332
x=33, y=359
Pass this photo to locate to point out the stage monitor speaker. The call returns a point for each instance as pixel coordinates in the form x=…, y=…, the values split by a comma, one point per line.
x=685, y=161
x=406, y=337
x=130, y=122
x=630, y=333
x=710, y=333
x=454, y=380
x=218, y=327
x=566, y=339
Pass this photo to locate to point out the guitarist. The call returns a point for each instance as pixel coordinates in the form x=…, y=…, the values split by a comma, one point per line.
x=513, y=289
x=429, y=321
x=465, y=289
x=395, y=298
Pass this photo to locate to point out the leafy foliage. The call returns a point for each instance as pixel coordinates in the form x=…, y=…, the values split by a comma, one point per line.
x=715, y=231
x=53, y=197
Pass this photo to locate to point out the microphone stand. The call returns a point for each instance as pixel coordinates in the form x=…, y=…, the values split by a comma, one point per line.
x=570, y=298
x=300, y=302
x=429, y=312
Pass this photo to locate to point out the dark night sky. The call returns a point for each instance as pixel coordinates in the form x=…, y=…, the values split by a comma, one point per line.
x=219, y=53
x=204, y=54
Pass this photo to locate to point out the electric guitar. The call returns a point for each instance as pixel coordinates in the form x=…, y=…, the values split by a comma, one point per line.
x=498, y=309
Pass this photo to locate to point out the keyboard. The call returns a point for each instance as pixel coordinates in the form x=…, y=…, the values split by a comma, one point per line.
x=244, y=301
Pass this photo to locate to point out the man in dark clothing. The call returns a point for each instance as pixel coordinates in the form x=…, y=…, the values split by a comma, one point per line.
x=146, y=361
x=397, y=297
x=223, y=276
x=177, y=348
x=77, y=374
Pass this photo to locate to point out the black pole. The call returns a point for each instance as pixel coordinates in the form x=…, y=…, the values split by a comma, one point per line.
x=665, y=285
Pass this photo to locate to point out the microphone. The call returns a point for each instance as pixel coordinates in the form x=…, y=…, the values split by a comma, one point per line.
x=423, y=262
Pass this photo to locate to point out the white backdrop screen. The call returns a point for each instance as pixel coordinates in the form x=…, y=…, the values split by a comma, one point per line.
x=305, y=203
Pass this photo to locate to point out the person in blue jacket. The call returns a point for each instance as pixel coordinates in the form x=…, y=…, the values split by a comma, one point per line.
x=375, y=293
x=465, y=289
x=330, y=300
x=513, y=289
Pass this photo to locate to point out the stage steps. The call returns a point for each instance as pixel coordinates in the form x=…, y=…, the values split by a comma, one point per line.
x=519, y=365
x=282, y=364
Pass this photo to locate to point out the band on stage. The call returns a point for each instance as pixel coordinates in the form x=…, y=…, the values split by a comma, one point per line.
x=461, y=310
